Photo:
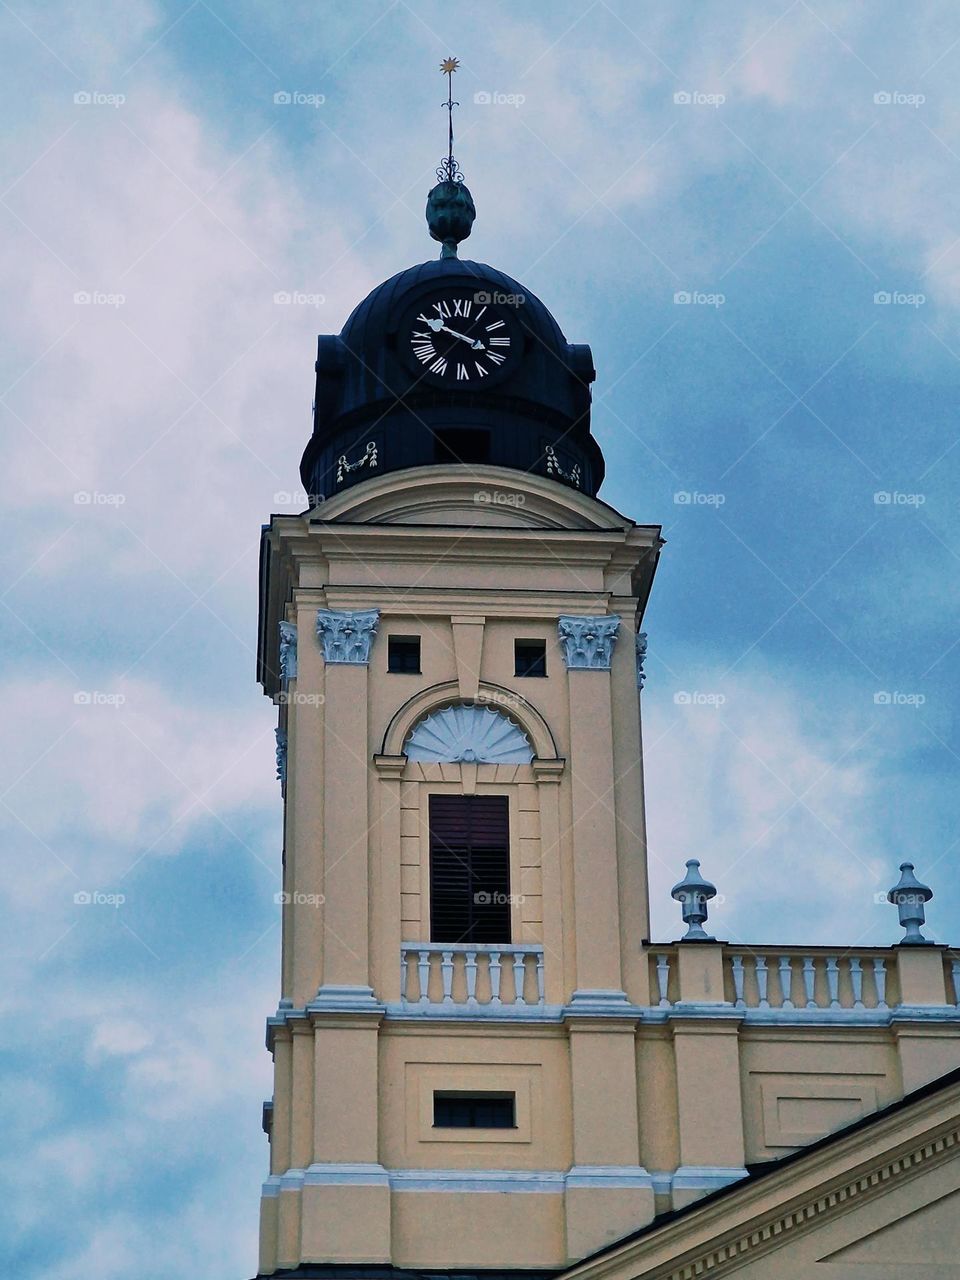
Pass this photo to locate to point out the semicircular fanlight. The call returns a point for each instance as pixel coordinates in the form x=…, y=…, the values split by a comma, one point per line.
x=469, y=734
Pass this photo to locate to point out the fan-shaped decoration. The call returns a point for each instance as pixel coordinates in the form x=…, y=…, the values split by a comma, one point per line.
x=471, y=734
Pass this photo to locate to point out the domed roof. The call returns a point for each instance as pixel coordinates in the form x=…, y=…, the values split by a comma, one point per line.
x=408, y=383
x=372, y=315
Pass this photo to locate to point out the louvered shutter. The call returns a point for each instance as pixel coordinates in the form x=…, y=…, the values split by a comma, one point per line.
x=469, y=869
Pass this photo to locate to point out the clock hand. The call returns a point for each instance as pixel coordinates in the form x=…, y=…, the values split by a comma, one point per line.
x=438, y=326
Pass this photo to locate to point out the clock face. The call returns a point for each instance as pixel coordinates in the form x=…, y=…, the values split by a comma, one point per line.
x=460, y=340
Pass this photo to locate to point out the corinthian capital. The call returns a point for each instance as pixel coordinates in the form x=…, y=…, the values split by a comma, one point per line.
x=347, y=634
x=587, y=643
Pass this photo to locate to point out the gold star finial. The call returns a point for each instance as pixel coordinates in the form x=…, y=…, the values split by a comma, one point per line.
x=448, y=171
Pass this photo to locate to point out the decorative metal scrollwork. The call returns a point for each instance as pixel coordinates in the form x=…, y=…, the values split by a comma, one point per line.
x=367, y=459
x=554, y=468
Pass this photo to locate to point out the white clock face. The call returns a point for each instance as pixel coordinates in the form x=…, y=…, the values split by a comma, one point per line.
x=458, y=340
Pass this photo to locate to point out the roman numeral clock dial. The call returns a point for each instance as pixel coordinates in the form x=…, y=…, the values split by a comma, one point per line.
x=460, y=340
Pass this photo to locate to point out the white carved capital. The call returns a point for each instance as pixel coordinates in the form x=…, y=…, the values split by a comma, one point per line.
x=288, y=650
x=587, y=643
x=347, y=634
x=641, y=654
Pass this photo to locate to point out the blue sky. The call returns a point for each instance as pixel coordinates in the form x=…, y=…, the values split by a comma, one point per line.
x=781, y=163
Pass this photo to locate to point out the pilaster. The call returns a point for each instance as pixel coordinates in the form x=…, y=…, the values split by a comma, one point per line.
x=595, y=868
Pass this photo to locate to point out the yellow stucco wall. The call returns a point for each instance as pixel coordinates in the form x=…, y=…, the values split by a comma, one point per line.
x=623, y=1109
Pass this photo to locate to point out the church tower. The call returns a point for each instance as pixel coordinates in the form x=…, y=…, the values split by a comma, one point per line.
x=481, y=1063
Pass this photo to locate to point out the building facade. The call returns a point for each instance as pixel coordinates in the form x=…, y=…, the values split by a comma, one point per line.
x=482, y=1062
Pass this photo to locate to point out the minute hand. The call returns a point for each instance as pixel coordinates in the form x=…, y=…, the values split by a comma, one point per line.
x=441, y=327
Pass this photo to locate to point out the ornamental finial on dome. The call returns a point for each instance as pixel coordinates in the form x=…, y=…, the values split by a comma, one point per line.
x=450, y=208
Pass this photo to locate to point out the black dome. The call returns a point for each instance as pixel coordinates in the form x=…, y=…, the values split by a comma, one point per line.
x=377, y=410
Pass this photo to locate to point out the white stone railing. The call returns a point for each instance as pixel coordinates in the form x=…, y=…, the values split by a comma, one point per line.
x=474, y=976
x=792, y=979
x=814, y=981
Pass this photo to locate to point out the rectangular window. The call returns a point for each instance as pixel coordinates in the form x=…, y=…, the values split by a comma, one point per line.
x=461, y=444
x=469, y=869
x=403, y=654
x=530, y=657
x=474, y=1110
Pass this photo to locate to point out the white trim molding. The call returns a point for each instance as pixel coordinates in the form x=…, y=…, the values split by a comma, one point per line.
x=704, y=1177
x=479, y=1181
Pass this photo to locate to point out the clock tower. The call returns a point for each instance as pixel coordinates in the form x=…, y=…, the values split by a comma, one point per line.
x=482, y=1064
x=449, y=634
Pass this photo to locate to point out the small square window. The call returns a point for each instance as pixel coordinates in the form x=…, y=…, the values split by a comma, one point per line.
x=403, y=654
x=530, y=657
x=474, y=1110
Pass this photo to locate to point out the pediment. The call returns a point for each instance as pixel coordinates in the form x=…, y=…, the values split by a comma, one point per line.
x=879, y=1201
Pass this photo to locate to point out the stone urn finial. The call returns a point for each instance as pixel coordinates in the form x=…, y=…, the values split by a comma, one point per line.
x=693, y=893
x=908, y=895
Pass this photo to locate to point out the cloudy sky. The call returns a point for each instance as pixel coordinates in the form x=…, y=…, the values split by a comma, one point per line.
x=750, y=212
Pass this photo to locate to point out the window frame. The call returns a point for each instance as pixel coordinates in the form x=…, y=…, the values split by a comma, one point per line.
x=399, y=639
x=478, y=1096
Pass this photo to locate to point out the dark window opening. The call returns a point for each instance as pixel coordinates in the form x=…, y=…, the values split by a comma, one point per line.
x=469, y=869
x=474, y=1111
x=403, y=654
x=530, y=657
x=461, y=444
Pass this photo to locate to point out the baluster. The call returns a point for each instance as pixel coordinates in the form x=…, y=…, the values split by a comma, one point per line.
x=470, y=968
x=519, y=974
x=833, y=981
x=737, y=964
x=446, y=973
x=955, y=971
x=404, y=972
x=423, y=975
x=880, y=978
x=540, y=977
x=856, y=979
x=494, y=977
x=786, y=983
x=663, y=977
x=808, y=981
x=760, y=967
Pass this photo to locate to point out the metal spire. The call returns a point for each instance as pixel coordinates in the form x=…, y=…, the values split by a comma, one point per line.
x=449, y=170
